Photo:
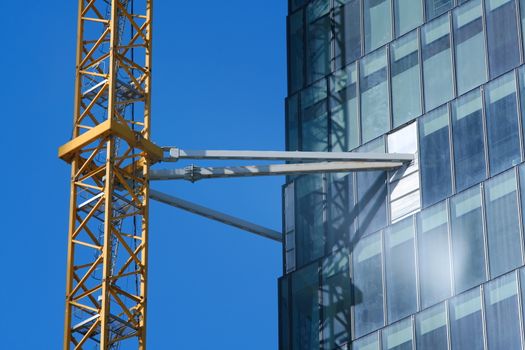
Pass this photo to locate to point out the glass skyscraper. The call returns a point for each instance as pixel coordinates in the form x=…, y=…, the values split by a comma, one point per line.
x=430, y=256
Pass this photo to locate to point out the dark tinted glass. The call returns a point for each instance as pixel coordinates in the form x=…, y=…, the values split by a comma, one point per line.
x=347, y=33
x=314, y=119
x=318, y=49
x=305, y=308
x=296, y=54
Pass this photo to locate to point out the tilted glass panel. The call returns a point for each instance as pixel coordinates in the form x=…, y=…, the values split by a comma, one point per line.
x=284, y=314
x=400, y=267
x=501, y=312
x=295, y=4
x=469, y=141
x=522, y=287
x=375, y=115
x=305, y=308
x=342, y=212
x=408, y=15
x=468, y=246
x=315, y=117
x=316, y=9
x=372, y=193
x=368, y=285
x=502, y=123
x=344, y=109
x=310, y=221
x=406, y=89
x=378, y=23
x=522, y=192
x=431, y=329
x=347, y=33
x=469, y=42
x=336, y=300
x=502, y=36
x=521, y=78
x=368, y=343
x=292, y=123
x=296, y=54
x=503, y=229
x=398, y=336
x=437, y=62
x=437, y=7
x=434, y=148
x=522, y=10
x=433, y=253
x=318, y=49
x=466, y=327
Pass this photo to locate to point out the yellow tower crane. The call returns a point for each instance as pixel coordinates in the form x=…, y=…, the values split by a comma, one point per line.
x=110, y=153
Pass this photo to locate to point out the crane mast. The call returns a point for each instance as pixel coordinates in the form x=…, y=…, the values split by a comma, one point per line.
x=110, y=155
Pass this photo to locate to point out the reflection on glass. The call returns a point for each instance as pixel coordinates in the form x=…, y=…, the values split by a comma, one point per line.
x=469, y=144
x=347, y=33
x=433, y=252
x=305, y=308
x=342, y=212
x=400, y=270
x=406, y=92
x=374, y=95
x=431, y=329
x=502, y=123
x=501, y=309
x=309, y=203
x=434, y=144
x=466, y=328
x=336, y=300
x=521, y=78
x=284, y=309
x=437, y=62
x=378, y=25
x=315, y=117
x=292, y=123
x=467, y=239
x=437, y=7
x=469, y=43
x=502, y=223
x=318, y=49
x=502, y=36
x=296, y=55
x=370, y=342
x=368, y=285
x=398, y=336
x=343, y=109
x=408, y=15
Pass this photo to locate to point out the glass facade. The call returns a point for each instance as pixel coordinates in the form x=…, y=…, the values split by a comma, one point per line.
x=432, y=255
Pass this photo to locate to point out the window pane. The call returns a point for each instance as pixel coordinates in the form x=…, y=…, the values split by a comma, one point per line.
x=406, y=91
x=431, y=329
x=400, y=270
x=369, y=343
x=521, y=78
x=296, y=55
x=467, y=239
x=433, y=252
x=502, y=123
x=310, y=218
x=336, y=300
x=343, y=109
x=378, y=25
x=437, y=62
x=522, y=10
x=502, y=223
x=316, y=9
x=347, y=31
x=437, y=7
x=408, y=15
x=501, y=308
x=466, y=328
x=372, y=194
x=435, y=156
x=398, y=336
x=284, y=314
x=292, y=121
x=522, y=192
x=374, y=95
x=469, y=42
x=318, y=49
x=305, y=309
x=502, y=36
x=469, y=144
x=342, y=217
x=368, y=285
x=315, y=117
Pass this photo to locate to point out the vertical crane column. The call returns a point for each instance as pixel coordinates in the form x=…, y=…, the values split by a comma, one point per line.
x=110, y=154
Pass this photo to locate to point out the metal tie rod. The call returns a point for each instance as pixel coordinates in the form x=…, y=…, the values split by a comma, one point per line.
x=194, y=173
x=175, y=154
x=215, y=215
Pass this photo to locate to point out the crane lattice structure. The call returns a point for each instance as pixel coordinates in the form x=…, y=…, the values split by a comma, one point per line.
x=110, y=153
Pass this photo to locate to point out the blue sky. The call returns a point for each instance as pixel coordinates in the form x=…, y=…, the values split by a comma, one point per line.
x=219, y=83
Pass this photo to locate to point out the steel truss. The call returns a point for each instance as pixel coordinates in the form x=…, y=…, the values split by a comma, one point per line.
x=110, y=155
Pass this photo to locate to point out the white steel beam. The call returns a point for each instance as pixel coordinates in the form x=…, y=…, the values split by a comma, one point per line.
x=216, y=215
x=175, y=154
x=195, y=173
